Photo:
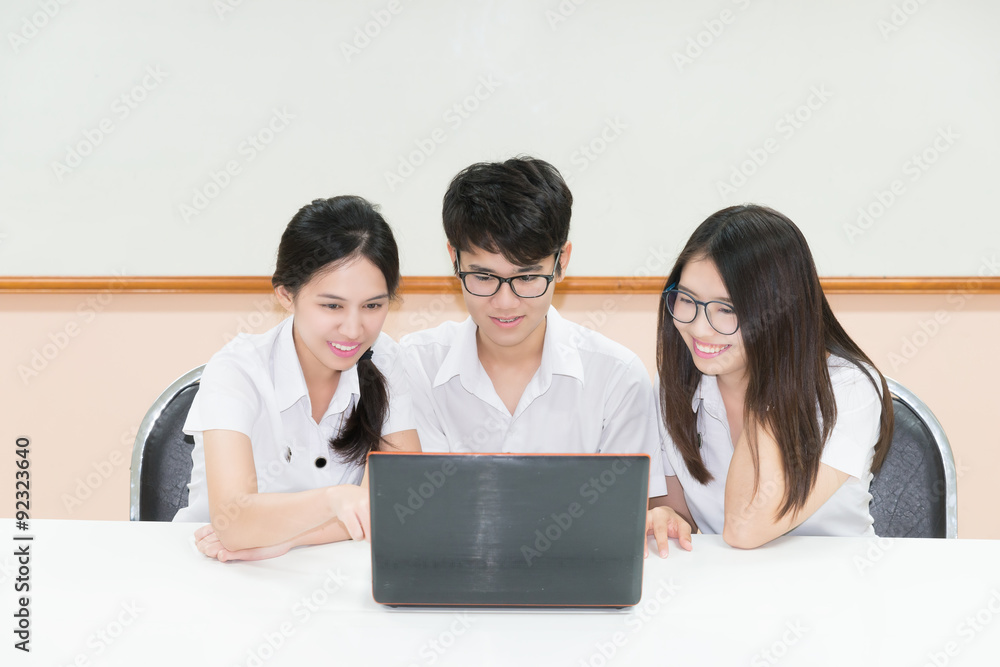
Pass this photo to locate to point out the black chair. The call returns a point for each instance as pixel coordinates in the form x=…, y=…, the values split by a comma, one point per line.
x=915, y=493
x=161, y=456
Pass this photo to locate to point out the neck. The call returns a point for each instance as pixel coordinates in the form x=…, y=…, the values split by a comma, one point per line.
x=317, y=376
x=734, y=387
x=527, y=352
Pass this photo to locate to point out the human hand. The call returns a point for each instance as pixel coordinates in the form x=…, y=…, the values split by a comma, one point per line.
x=208, y=543
x=351, y=505
x=664, y=523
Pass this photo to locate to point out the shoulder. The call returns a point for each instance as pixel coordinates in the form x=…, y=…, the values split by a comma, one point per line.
x=853, y=385
x=386, y=352
x=430, y=347
x=591, y=345
x=443, y=335
x=245, y=356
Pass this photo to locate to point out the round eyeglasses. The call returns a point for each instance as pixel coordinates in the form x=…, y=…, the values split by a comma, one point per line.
x=684, y=308
x=528, y=286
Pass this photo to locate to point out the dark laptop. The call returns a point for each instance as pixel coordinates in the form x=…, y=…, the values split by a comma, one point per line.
x=508, y=529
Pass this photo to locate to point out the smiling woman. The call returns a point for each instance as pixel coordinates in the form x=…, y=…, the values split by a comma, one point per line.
x=772, y=418
x=284, y=420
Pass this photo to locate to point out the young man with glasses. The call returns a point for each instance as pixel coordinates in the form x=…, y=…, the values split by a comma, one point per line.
x=516, y=377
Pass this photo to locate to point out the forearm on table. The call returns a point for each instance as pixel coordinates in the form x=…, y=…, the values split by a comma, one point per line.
x=753, y=500
x=331, y=531
x=265, y=519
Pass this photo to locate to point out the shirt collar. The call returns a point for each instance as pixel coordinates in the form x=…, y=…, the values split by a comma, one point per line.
x=559, y=354
x=708, y=389
x=462, y=358
x=290, y=383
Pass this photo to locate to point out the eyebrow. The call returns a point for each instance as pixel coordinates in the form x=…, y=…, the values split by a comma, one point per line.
x=691, y=291
x=477, y=268
x=334, y=297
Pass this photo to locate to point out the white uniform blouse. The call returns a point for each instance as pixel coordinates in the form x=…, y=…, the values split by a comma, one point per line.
x=589, y=395
x=850, y=449
x=255, y=386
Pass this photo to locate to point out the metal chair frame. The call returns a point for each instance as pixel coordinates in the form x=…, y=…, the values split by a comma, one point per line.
x=190, y=378
x=919, y=408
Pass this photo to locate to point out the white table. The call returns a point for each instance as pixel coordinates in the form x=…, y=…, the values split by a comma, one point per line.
x=117, y=593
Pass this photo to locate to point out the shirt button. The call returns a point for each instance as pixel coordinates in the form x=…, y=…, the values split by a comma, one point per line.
x=320, y=461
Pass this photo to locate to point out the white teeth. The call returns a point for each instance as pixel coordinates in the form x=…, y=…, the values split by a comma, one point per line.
x=513, y=319
x=343, y=348
x=710, y=349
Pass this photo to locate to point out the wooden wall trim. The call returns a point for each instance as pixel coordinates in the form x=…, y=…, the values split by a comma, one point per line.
x=448, y=284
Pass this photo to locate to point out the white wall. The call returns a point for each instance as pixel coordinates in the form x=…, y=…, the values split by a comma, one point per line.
x=163, y=96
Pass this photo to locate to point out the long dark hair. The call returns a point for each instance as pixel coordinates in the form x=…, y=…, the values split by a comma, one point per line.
x=787, y=328
x=321, y=236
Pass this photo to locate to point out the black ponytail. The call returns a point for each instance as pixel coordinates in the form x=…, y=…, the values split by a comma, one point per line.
x=323, y=234
x=362, y=432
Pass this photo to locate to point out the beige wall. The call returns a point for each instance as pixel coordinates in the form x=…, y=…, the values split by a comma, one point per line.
x=101, y=359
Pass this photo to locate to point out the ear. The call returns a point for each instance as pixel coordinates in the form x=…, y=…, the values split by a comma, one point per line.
x=453, y=255
x=567, y=250
x=284, y=297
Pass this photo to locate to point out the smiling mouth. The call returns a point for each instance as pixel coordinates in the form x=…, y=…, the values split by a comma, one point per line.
x=345, y=348
x=710, y=349
x=706, y=351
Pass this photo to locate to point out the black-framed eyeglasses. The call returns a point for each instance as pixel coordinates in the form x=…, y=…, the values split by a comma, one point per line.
x=683, y=307
x=528, y=286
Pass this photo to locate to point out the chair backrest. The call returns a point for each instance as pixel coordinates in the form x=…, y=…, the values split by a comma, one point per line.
x=915, y=493
x=161, y=456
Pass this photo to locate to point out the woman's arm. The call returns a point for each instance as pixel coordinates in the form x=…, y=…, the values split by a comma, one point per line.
x=208, y=542
x=234, y=461
x=403, y=441
x=243, y=518
x=751, y=518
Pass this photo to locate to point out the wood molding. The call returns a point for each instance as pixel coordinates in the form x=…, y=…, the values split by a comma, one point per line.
x=448, y=284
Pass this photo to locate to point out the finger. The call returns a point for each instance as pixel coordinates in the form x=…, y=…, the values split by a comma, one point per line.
x=365, y=519
x=680, y=529
x=212, y=550
x=661, y=531
x=353, y=527
x=684, y=534
x=211, y=538
x=645, y=537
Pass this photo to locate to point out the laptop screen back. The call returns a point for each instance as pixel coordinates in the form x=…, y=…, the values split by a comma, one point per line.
x=497, y=529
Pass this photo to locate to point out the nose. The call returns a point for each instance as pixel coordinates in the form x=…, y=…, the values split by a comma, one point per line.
x=701, y=327
x=505, y=298
x=351, y=326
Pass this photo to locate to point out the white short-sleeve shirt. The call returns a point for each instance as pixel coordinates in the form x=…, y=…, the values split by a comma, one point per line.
x=850, y=449
x=255, y=386
x=589, y=395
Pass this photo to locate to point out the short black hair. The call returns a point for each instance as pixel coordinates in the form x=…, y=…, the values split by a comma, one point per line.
x=519, y=209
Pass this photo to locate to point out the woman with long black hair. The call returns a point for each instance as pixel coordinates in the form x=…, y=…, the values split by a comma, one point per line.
x=773, y=418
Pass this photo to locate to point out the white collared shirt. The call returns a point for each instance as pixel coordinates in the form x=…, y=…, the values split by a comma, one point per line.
x=850, y=449
x=255, y=386
x=589, y=395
